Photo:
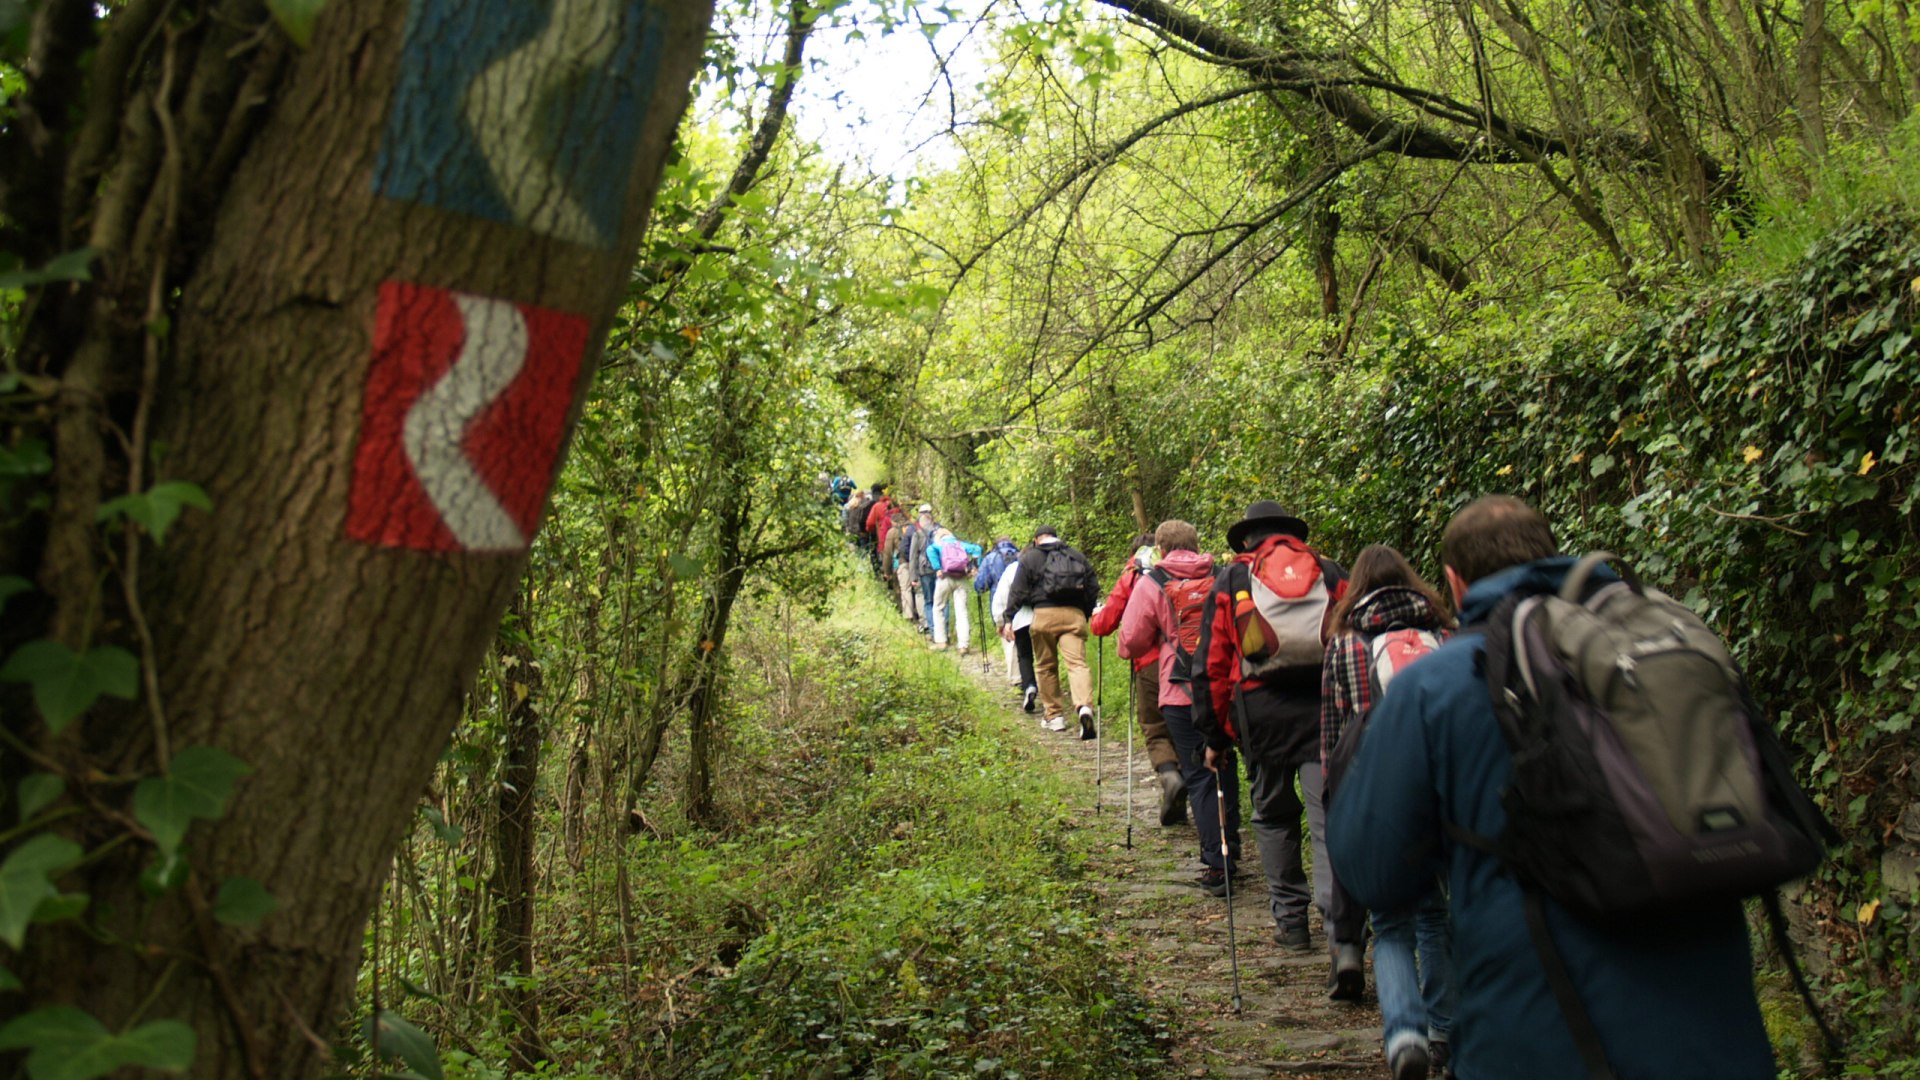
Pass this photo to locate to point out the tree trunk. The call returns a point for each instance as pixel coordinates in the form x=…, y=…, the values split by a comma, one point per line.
x=709, y=659
x=513, y=835
x=383, y=228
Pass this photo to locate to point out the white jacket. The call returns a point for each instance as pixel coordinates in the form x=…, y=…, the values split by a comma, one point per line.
x=1022, y=618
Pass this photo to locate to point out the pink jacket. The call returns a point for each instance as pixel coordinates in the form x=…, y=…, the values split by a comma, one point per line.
x=1147, y=625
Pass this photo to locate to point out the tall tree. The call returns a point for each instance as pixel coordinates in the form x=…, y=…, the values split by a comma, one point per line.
x=349, y=279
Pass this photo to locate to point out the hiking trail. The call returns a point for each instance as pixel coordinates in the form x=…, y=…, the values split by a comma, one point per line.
x=1156, y=917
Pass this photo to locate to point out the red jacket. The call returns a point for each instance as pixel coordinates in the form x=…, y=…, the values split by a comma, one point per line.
x=1107, y=619
x=1284, y=703
x=879, y=512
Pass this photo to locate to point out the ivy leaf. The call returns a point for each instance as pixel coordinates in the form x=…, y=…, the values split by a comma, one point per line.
x=63, y=1043
x=37, y=791
x=71, y=266
x=166, y=873
x=9, y=981
x=399, y=1039
x=66, y=683
x=196, y=787
x=683, y=567
x=296, y=18
x=156, y=509
x=26, y=881
x=243, y=901
x=11, y=586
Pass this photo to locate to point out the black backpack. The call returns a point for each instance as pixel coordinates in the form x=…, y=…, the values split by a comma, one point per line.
x=1644, y=775
x=1066, y=578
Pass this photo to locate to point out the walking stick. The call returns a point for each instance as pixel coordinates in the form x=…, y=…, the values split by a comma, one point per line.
x=1133, y=719
x=1226, y=865
x=982, y=634
x=1099, y=713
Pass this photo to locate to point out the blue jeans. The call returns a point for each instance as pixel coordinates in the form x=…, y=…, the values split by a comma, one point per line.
x=926, y=593
x=1203, y=796
x=1414, y=1003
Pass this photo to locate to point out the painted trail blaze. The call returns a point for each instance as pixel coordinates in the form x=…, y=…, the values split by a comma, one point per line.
x=465, y=409
x=521, y=111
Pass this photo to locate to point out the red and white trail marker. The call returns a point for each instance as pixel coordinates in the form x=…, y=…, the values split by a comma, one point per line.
x=466, y=406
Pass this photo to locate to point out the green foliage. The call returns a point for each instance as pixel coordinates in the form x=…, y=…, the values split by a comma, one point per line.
x=63, y=1043
x=243, y=901
x=296, y=17
x=397, y=1039
x=72, y=266
x=156, y=509
x=26, y=882
x=196, y=787
x=36, y=791
x=66, y=683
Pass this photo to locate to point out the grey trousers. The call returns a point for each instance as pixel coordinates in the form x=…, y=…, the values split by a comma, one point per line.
x=1276, y=827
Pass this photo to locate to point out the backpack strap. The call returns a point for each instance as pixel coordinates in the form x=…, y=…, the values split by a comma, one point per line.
x=1777, y=923
x=1574, y=588
x=1585, y=1036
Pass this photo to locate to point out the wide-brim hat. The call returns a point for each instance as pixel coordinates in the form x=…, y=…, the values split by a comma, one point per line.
x=1265, y=516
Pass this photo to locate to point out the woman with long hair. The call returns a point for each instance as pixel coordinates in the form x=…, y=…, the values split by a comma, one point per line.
x=1388, y=618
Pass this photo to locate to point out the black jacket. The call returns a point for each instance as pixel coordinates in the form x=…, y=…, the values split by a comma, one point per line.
x=1054, y=574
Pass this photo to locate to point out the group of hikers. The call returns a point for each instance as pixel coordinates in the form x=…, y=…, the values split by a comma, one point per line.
x=1548, y=853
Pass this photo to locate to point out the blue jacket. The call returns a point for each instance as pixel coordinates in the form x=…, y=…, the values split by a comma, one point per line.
x=1672, y=1000
x=995, y=564
x=934, y=546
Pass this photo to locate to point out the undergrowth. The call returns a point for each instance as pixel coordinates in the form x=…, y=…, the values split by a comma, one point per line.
x=896, y=896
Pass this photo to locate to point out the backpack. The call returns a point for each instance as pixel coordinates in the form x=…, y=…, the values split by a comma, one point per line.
x=954, y=560
x=1280, y=615
x=1390, y=652
x=1644, y=776
x=1064, y=578
x=1188, y=599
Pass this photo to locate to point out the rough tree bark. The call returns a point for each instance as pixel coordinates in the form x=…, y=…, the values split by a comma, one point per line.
x=254, y=216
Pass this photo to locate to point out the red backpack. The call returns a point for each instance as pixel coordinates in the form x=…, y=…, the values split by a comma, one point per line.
x=1392, y=651
x=1188, y=598
x=1283, y=609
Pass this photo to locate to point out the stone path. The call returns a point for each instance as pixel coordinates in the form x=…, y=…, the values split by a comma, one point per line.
x=1176, y=935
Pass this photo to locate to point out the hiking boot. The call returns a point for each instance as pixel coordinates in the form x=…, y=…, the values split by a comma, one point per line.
x=1087, y=730
x=1348, y=979
x=1032, y=696
x=1173, y=796
x=939, y=646
x=963, y=650
x=1056, y=723
x=1439, y=1059
x=1213, y=881
x=1294, y=938
x=1409, y=1061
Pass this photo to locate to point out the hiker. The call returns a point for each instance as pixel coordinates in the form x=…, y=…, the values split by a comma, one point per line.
x=923, y=574
x=1670, y=995
x=877, y=515
x=1388, y=619
x=1261, y=638
x=1060, y=585
x=993, y=567
x=902, y=541
x=887, y=543
x=1016, y=628
x=955, y=560
x=1163, y=621
x=853, y=519
x=1108, y=618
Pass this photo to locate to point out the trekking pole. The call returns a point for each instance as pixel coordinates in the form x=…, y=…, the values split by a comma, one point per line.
x=1099, y=713
x=1226, y=866
x=982, y=627
x=1133, y=719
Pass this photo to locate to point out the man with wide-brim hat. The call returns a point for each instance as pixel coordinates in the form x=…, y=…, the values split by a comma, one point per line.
x=1264, y=519
x=1262, y=637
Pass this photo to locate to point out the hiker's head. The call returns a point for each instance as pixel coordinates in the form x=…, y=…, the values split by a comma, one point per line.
x=1175, y=535
x=1044, y=533
x=1489, y=535
x=1380, y=567
x=998, y=540
x=1264, y=519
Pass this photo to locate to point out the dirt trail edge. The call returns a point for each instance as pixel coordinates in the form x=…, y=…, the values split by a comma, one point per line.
x=1177, y=935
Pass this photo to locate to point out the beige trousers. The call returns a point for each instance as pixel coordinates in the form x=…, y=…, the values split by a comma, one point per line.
x=1060, y=636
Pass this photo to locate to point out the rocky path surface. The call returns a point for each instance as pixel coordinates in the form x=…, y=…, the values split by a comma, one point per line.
x=1177, y=935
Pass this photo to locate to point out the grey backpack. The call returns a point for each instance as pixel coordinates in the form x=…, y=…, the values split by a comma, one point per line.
x=1644, y=776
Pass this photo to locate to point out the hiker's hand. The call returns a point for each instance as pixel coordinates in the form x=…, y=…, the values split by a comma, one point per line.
x=1006, y=633
x=1213, y=760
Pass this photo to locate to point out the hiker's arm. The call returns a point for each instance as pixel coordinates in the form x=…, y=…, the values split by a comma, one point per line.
x=1107, y=618
x=1384, y=836
x=1139, y=632
x=1017, y=597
